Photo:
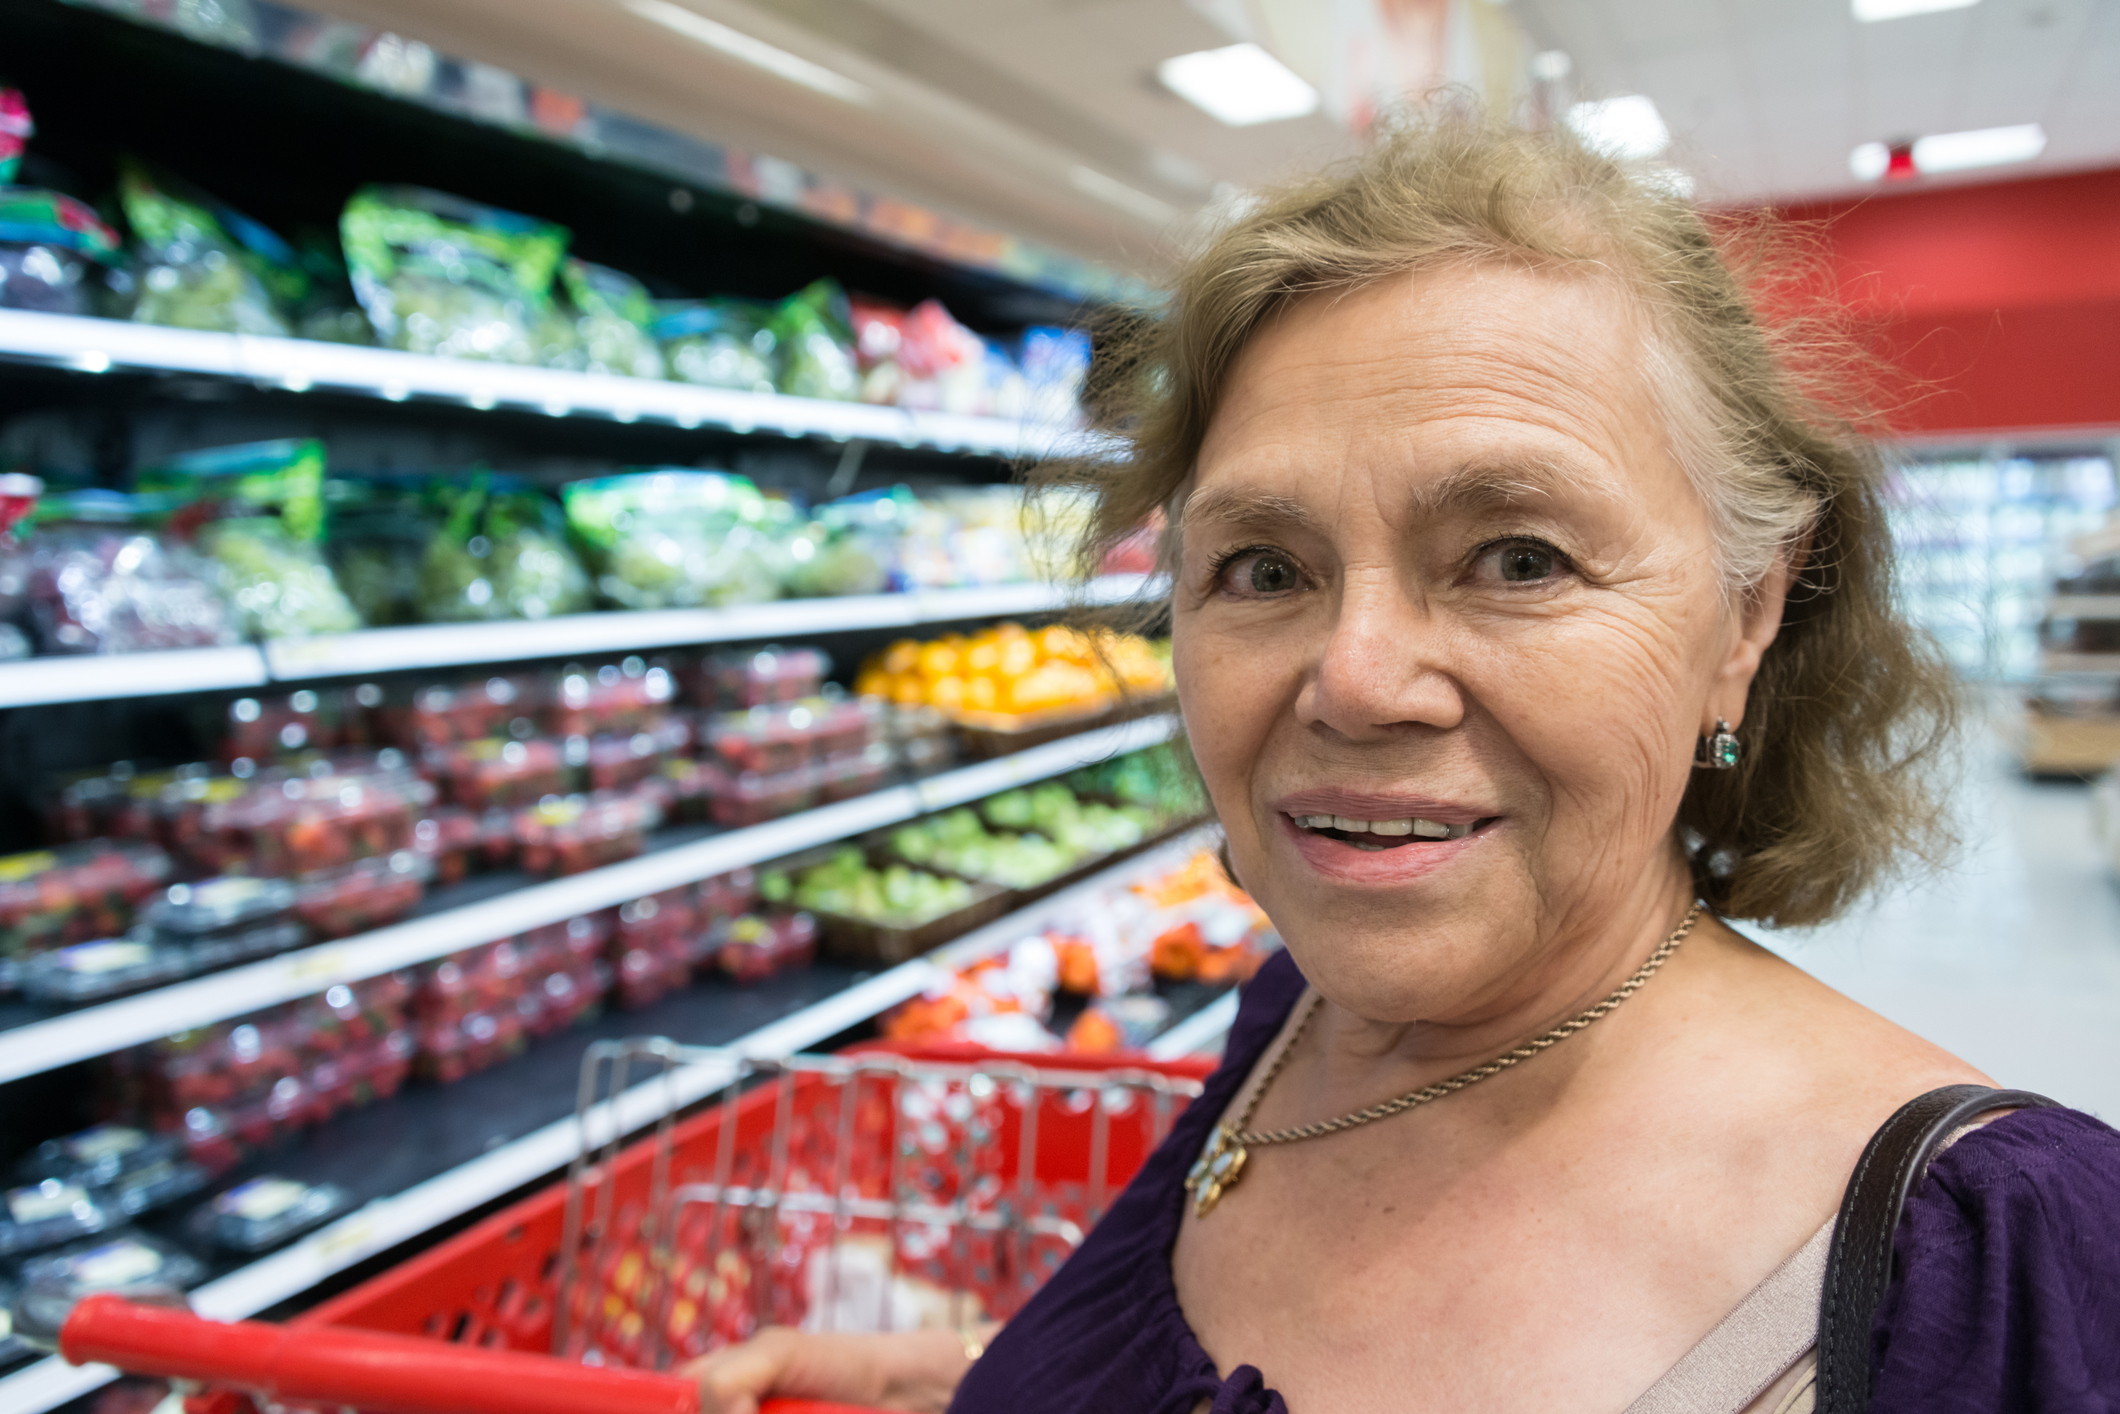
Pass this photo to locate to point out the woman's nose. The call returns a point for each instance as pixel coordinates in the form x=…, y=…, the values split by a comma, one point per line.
x=1383, y=666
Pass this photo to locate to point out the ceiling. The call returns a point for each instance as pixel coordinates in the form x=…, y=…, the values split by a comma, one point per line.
x=1766, y=98
x=1043, y=117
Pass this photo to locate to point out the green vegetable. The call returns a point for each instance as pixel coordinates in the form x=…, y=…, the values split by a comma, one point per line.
x=958, y=843
x=441, y=275
x=724, y=343
x=194, y=272
x=499, y=554
x=896, y=897
x=612, y=313
x=682, y=539
x=815, y=334
x=277, y=581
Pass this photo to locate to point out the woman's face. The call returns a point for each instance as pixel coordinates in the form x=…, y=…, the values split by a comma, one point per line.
x=1441, y=573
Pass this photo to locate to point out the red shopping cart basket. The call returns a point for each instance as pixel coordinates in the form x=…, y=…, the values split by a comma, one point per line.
x=885, y=1188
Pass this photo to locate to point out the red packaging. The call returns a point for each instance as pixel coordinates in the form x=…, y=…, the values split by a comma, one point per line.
x=449, y=1051
x=614, y=762
x=752, y=799
x=415, y=718
x=53, y=897
x=374, y=1070
x=261, y=728
x=565, y=971
x=755, y=946
x=849, y=776
x=337, y=903
x=759, y=677
x=616, y=698
x=580, y=832
x=653, y=946
x=685, y=788
x=485, y=979
x=285, y=824
x=479, y=775
x=453, y=840
x=109, y=804
x=727, y=895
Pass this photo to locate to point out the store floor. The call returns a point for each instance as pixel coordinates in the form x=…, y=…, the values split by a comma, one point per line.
x=2011, y=958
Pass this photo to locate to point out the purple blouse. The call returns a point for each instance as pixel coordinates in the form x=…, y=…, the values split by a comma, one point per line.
x=2005, y=1293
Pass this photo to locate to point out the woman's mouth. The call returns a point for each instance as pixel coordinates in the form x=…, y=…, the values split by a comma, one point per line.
x=1375, y=835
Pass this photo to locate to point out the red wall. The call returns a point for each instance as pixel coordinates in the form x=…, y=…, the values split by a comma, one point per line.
x=2001, y=301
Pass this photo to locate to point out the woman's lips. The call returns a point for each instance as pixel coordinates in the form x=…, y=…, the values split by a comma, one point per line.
x=1373, y=857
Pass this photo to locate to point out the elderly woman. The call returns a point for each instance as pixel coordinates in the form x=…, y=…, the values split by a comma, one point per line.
x=1530, y=621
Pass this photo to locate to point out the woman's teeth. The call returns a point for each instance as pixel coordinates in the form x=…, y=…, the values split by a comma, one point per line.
x=1412, y=825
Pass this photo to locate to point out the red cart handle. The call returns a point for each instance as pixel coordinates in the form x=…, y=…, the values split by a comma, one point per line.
x=369, y=1370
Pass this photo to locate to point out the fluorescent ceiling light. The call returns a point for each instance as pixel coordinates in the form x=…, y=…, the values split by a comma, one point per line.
x=1551, y=65
x=1239, y=85
x=1871, y=11
x=755, y=52
x=1628, y=128
x=1983, y=147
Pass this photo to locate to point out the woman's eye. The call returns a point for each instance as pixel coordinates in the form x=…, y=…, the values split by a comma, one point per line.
x=1523, y=562
x=1262, y=572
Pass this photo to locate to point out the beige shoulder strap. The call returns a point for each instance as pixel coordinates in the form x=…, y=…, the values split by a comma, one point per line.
x=1752, y=1347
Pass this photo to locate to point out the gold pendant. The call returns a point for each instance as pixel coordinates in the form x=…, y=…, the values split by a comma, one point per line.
x=1219, y=1167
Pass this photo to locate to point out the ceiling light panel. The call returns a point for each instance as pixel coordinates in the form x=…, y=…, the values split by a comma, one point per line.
x=1983, y=147
x=1239, y=85
x=1628, y=128
x=1872, y=11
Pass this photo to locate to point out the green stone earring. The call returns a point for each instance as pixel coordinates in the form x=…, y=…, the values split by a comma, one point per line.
x=1720, y=751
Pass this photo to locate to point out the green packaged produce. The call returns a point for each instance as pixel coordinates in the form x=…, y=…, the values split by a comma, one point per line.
x=257, y=512
x=441, y=275
x=50, y=245
x=895, y=897
x=815, y=334
x=612, y=314
x=681, y=539
x=202, y=265
x=377, y=535
x=500, y=552
x=722, y=343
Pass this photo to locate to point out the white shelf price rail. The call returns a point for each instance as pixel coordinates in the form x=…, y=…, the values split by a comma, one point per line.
x=93, y=346
x=387, y=1222
x=94, y=677
x=99, y=1030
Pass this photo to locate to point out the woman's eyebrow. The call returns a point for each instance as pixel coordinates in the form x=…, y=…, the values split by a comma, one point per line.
x=1231, y=506
x=1484, y=486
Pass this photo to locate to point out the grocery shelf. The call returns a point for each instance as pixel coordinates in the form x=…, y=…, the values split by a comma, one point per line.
x=383, y=650
x=2083, y=606
x=1202, y=1031
x=88, y=677
x=98, y=1030
x=547, y=1148
x=92, y=677
x=2095, y=664
x=94, y=346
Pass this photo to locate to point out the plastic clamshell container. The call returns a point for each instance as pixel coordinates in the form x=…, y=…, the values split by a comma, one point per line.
x=413, y=718
x=332, y=814
x=752, y=799
x=98, y=1155
x=114, y=1261
x=759, y=676
x=484, y=773
x=93, y=972
x=267, y=1212
x=220, y=922
x=613, y=762
x=45, y=1214
x=75, y=893
x=581, y=832
x=337, y=903
x=754, y=947
x=617, y=697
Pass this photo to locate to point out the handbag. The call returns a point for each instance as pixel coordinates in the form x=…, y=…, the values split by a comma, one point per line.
x=1859, y=1262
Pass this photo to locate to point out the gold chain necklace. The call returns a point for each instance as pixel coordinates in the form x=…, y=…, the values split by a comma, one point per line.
x=1221, y=1163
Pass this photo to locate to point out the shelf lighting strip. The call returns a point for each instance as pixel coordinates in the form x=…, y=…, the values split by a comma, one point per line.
x=99, y=1030
x=387, y=1222
x=89, y=345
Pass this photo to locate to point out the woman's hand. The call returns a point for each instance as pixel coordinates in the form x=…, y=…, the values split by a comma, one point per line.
x=909, y=1370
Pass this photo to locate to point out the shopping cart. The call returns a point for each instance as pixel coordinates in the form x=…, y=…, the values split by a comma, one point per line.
x=880, y=1189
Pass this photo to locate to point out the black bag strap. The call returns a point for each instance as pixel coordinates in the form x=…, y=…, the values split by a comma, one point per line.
x=1859, y=1264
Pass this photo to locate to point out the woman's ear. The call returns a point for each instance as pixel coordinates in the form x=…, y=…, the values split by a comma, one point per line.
x=1759, y=621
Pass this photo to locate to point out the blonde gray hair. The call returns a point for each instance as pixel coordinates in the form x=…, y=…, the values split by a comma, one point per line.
x=1850, y=710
